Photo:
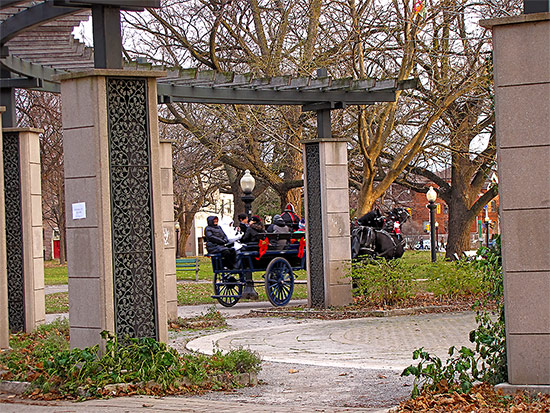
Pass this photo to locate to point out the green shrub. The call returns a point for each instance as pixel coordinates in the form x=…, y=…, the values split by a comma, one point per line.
x=43, y=357
x=382, y=282
x=487, y=362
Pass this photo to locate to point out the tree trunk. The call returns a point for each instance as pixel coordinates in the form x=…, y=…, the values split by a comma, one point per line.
x=186, y=224
x=294, y=196
x=62, y=243
x=61, y=224
x=366, y=200
x=460, y=222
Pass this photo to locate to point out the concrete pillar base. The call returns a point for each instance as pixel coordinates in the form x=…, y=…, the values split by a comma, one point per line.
x=168, y=232
x=327, y=222
x=114, y=205
x=23, y=228
x=522, y=107
x=508, y=388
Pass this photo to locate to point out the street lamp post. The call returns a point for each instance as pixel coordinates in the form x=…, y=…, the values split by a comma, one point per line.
x=431, y=195
x=437, y=236
x=177, y=227
x=247, y=185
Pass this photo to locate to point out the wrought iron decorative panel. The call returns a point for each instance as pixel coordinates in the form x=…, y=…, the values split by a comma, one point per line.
x=131, y=208
x=14, y=232
x=315, y=225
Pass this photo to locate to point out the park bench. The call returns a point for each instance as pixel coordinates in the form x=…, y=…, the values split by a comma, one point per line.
x=188, y=264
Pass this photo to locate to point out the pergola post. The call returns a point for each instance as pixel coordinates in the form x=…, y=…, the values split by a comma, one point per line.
x=168, y=236
x=327, y=216
x=4, y=323
x=23, y=228
x=114, y=209
x=522, y=89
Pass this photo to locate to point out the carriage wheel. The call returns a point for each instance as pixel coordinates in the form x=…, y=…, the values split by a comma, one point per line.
x=229, y=287
x=279, y=281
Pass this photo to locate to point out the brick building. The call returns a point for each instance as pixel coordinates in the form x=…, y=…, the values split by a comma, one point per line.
x=417, y=228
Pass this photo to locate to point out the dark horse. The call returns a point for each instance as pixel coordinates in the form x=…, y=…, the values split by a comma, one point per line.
x=375, y=235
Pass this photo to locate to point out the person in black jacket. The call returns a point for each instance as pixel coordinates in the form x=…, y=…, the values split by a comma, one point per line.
x=255, y=228
x=291, y=219
x=217, y=242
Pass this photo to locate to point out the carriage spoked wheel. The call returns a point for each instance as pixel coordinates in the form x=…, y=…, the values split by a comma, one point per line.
x=229, y=288
x=279, y=281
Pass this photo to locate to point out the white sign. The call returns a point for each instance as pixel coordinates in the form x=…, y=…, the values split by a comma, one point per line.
x=79, y=210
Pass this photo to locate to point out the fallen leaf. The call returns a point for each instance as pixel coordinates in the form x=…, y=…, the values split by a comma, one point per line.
x=292, y=371
x=343, y=374
x=381, y=376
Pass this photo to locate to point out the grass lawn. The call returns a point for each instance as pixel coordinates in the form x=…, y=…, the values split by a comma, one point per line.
x=57, y=303
x=414, y=274
x=205, y=271
x=55, y=274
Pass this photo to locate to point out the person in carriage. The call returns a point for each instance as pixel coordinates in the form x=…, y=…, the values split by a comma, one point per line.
x=290, y=217
x=254, y=231
x=279, y=227
x=217, y=242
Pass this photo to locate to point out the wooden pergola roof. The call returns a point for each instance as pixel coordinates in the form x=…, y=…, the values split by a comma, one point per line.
x=37, y=55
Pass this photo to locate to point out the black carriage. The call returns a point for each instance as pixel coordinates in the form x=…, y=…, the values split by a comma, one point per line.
x=279, y=266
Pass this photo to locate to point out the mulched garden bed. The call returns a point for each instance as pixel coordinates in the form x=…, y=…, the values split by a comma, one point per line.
x=421, y=303
x=481, y=399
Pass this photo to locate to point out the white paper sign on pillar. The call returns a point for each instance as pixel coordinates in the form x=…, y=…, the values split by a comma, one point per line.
x=79, y=210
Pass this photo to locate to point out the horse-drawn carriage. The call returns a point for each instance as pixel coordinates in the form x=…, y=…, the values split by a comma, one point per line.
x=377, y=236
x=278, y=264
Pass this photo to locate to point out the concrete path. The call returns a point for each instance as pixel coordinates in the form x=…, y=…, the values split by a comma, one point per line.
x=58, y=288
x=186, y=311
x=168, y=404
x=362, y=343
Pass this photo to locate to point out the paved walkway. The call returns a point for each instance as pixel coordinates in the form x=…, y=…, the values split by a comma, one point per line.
x=169, y=404
x=363, y=343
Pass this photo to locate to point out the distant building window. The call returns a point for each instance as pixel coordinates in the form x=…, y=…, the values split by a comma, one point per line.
x=445, y=209
x=494, y=206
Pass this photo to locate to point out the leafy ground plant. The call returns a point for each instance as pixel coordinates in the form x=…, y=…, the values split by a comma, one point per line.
x=144, y=365
x=487, y=362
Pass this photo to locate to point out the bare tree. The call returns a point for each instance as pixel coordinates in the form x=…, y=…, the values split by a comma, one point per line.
x=263, y=38
x=43, y=110
x=198, y=175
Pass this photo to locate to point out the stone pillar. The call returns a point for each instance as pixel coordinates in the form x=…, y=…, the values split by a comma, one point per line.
x=327, y=217
x=113, y=203
x=4, y=323
x=168, y=233
x=522, y=88
x=23, y=228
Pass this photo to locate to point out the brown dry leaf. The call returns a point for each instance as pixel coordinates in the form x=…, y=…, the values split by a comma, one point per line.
x=292, y=371
x=343, y=374
x=381, y=376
